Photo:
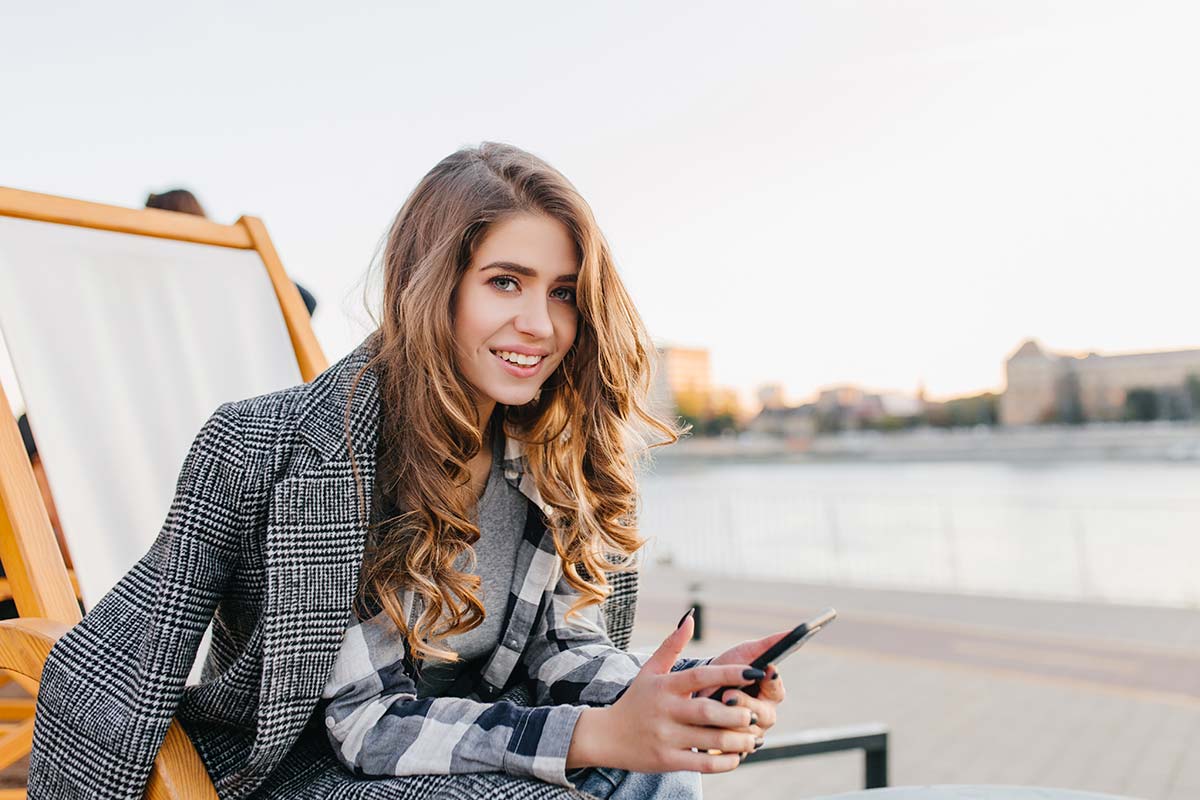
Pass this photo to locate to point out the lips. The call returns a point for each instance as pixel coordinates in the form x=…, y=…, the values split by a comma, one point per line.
x=519, y=370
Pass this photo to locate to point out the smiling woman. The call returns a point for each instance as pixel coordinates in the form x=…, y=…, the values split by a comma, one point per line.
x=399, y=551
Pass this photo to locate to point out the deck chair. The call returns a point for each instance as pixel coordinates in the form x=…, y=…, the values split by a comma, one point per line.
x=98, y=306
x=34, y=229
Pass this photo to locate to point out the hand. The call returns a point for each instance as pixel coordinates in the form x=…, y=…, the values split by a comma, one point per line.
x=657, y=721
x=770, y=689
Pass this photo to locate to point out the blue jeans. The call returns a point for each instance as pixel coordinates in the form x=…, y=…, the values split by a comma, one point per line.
x=607, y=783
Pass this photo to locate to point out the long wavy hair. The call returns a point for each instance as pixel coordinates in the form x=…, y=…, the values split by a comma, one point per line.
x=584, y=433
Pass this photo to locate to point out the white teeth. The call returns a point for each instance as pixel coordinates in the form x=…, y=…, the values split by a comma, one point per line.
x=518, y=358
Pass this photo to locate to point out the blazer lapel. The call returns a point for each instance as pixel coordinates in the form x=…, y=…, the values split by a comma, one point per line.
x=315, y=538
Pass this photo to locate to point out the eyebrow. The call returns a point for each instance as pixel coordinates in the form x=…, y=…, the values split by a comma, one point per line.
x=528, y=272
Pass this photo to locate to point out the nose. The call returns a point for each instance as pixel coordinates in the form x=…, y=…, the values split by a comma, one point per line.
x=533, y=320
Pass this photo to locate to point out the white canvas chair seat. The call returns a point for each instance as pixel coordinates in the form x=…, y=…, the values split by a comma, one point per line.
x=123, y=345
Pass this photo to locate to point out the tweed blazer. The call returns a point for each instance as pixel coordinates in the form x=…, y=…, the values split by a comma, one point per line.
x=264, y=538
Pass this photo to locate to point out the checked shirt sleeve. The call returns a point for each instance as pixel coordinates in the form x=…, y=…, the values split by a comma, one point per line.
x=378, y=726
x=576, y=662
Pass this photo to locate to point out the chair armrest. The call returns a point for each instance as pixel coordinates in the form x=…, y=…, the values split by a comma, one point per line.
x=178, y=772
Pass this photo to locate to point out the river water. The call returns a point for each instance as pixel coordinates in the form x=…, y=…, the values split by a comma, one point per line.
x=1096, y=531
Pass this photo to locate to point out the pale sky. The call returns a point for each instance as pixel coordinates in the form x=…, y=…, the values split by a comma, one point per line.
x=820, y=192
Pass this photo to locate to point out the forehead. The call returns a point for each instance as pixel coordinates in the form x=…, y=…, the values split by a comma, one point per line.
x=535, y=241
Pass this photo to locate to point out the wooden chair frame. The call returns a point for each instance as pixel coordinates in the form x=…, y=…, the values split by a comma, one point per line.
x=43, y=592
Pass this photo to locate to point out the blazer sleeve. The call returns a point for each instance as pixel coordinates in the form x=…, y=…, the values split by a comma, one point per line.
x=378, y=726
x=111, y=685
x=575, y=662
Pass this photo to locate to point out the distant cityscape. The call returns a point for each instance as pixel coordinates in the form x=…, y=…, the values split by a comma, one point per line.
x=1042, y=387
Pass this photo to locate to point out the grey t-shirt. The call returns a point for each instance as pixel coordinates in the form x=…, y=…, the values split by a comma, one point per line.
x=500, y=514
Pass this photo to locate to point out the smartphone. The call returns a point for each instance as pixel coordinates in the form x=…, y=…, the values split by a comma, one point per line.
x=783, y=648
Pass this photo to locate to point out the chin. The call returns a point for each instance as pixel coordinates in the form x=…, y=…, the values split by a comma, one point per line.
x=514, y=398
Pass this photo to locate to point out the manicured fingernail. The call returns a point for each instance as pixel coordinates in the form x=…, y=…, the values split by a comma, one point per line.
x=753, y=674
x=731, y=701
x=753, y=718
x=758, y=742
x=742, y=757
x=683, y=619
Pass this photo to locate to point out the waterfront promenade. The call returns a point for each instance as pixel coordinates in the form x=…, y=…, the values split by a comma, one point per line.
x=975, y=689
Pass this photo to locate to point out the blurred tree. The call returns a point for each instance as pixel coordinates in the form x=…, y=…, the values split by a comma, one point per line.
x=1192, y=387
x=1141, y=405
x=980, y=409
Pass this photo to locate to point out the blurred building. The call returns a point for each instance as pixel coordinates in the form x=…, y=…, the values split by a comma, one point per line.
x=1043, y=386
x=684, y=382
x=771, y=395
x=852, y=407
x=797, y=424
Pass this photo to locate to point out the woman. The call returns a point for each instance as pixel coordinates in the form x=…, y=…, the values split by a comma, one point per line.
x=350, y=536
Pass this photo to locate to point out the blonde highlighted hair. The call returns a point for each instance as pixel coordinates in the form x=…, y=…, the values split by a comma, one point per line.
x=583, y=433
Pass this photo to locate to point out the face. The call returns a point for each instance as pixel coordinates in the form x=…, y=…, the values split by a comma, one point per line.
x=514, y=311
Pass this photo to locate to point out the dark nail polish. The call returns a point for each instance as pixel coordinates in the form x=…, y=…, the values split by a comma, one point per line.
x=742, y=757
x=753, y=718
x=773, y=675
x=758, y=742
x=731, y=701
x=682, y=619
x=753, y=674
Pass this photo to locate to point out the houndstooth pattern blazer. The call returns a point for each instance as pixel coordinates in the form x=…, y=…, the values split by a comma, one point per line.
x=264, y=538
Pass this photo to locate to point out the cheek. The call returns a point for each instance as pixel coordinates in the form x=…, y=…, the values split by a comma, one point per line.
x=566, y=328
x=471, y=322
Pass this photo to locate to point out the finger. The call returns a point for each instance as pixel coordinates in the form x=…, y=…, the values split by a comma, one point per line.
x=702, y=711
x=703, y=762
x=771, y=688
x=712, y=677
x=726, y=741
x=668, y=652
x=762, y=712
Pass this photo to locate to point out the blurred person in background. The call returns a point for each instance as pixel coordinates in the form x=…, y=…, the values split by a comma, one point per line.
x=184, y=202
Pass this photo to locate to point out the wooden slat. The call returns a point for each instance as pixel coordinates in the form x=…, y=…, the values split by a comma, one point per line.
x=32, y=561
x=15, y=744
x=143, y=221
x=12, y=794
x=308, y=352
x=178, y=772
x=28, y=684
x=16, y=708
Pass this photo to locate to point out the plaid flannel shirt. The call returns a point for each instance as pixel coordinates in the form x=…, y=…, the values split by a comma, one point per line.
x=378, y=726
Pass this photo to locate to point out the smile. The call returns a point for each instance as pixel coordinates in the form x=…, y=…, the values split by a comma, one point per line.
x=521, y=366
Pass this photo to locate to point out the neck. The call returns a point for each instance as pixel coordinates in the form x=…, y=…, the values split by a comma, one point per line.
x=483, y=411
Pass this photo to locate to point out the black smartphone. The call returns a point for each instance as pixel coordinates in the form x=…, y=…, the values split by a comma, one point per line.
x=783, y=648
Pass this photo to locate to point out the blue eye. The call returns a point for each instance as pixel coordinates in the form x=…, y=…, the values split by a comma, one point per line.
x=501, y=281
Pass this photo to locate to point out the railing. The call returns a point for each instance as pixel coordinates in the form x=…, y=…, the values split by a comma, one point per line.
x=871, y=738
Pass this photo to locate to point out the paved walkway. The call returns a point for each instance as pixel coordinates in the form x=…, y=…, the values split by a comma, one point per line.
x=975, y=689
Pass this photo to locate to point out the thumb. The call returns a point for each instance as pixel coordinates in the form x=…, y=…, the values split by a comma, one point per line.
x=668, y=652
